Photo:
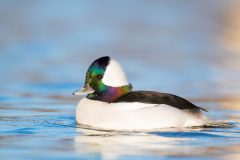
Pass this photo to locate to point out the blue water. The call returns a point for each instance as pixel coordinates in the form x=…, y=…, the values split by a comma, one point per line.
x=169, y=46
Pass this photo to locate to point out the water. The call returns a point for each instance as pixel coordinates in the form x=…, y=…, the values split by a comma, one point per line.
x=182, y=48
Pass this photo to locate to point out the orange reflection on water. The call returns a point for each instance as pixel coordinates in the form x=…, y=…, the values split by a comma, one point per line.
x=231, y=34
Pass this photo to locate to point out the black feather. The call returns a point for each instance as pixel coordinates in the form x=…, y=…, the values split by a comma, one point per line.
x=152, y=97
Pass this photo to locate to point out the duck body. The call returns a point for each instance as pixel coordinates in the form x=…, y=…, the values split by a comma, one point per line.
x=134, y=115
x=114, y=106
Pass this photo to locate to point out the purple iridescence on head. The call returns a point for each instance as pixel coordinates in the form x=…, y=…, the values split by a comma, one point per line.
x=109, y=94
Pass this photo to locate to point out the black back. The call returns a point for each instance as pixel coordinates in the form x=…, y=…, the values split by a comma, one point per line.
x=160, y=98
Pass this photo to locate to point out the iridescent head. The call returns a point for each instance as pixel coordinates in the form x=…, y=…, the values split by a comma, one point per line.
x=105, y=81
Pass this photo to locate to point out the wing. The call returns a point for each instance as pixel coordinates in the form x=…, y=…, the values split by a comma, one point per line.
x=151, y=97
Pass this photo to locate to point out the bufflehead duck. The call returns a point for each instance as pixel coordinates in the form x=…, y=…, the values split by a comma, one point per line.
x=111, y=104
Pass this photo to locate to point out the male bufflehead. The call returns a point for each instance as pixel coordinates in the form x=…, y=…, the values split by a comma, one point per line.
x=111, y=104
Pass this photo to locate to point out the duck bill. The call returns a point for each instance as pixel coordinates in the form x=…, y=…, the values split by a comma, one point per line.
x=85, y=90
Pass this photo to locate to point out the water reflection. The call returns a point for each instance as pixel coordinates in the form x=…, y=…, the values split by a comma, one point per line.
x=113, y=145
x=231, y=28
x=197, y=142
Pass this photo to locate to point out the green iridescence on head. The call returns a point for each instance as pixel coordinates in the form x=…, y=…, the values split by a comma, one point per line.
x=93, y=71
x=92, y=76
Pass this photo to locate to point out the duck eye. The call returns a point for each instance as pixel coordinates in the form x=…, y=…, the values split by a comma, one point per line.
x=99, y=76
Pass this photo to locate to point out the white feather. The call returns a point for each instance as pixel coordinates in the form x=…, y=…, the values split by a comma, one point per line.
x=133, y=116
x=114, y=75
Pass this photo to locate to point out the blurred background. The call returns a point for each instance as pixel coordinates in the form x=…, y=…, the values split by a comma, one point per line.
x=189, y=48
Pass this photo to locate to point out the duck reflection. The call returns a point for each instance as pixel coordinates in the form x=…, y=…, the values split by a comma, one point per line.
x=176, y=142
x=112, y=145
x=169, y=142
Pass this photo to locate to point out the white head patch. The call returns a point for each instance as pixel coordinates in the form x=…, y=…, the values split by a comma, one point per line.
x=114, y=75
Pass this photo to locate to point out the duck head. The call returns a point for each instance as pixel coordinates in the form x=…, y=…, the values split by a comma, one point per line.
x=105, y=81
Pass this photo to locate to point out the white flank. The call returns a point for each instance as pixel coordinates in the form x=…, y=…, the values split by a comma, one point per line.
x=114, y=75
x=134, y=116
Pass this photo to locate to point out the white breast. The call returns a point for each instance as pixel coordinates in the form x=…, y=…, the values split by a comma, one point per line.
x=133, y=116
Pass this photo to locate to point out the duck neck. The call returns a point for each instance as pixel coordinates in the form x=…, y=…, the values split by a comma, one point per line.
x=110, y=94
